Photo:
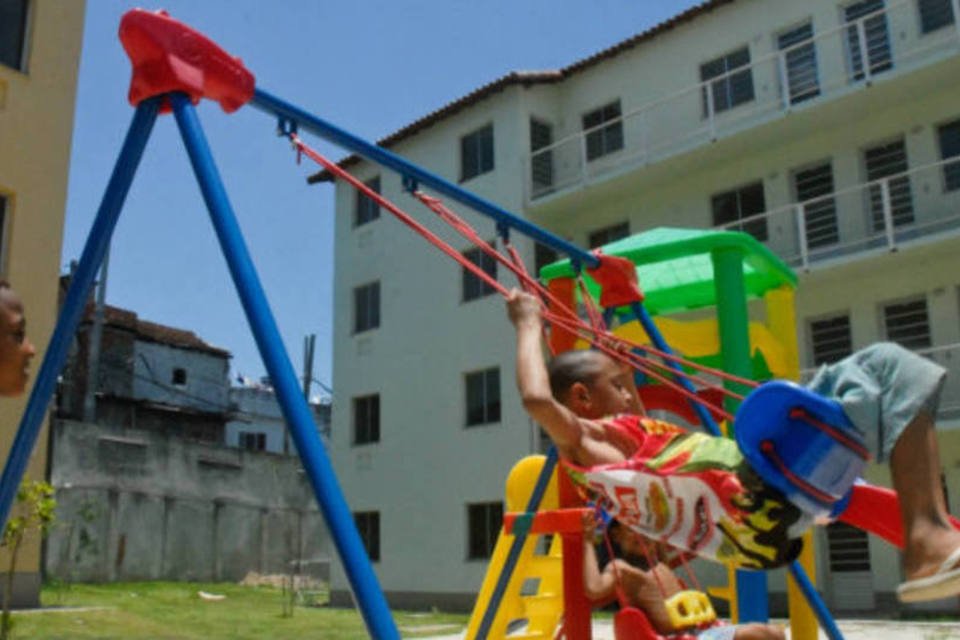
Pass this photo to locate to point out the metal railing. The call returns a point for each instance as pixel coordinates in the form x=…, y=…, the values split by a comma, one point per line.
x=830, y=64
x=947, y=356
x=881, y=214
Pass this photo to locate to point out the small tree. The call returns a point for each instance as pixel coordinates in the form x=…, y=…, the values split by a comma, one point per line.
x=35, y=508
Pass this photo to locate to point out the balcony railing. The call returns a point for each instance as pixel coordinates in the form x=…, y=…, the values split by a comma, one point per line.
x=881, y=214
x=804, y=71
x=947, y=356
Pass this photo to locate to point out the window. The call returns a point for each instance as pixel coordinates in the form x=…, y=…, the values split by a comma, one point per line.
x=484, y=521
x=366, y=307
x=179, y=377
x=368, y=526
x=830, y=339
x=476, y=153
x=541, y=156
x=3, y=229
x=800, y=63
x=366, y=419
x=473, y=286
x=867, y=17
x=948, y=136
x=366, y=209
x=908, y=323
x=542, y=256
x=603, y=130
x=607, y=235
x=731, y=87
x=935, y=14
x=814, y=189
x=13, y=33
x=848, y=547
x=885, y=161
x=738, y=205
x=483, y=397
x=253, y=441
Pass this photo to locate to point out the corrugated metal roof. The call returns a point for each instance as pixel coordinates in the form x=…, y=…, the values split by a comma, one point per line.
x=528, y=78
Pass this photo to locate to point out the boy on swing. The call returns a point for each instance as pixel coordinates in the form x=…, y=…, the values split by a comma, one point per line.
x=696, y=492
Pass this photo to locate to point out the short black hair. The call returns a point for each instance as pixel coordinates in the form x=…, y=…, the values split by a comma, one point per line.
x=570, y=367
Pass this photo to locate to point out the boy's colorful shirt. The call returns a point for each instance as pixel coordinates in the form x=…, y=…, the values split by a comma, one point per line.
x=695, y=492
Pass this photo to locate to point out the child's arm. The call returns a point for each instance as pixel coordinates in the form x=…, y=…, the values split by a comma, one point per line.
x=563, y=426
x=598, y=586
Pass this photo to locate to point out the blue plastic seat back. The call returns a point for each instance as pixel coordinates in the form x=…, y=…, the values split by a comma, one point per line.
x=801, y=443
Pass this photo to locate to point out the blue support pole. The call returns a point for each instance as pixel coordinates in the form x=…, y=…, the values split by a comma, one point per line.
x=513, y=556
x=648, y=325
x=827, y=622
x=306, y=436
x=275, y=106
x=56, y=354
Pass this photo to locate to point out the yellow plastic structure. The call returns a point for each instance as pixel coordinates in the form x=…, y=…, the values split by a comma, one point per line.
x=542, y=608
x=689, y=609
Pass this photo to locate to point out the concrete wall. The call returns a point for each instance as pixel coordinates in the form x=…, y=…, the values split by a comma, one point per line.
x=136, y=505
x=206, y=387
x=256, y=410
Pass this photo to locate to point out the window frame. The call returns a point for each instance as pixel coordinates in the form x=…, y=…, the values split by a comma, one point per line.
x=857, y=68
x=605, y=136
x=367, y=406
x=912, y=342
x=366, y=210
x=901, y=189
x=252, y=440
x=836, y=319
x=472, y=287
x=487, y=512
x=366, y=314
x=178, y=377
x=922, y=16
x=819, y=209
x=726, y=79
x=610, y=233
x=483, y=154
x=795, y=47
x=738, y=222
x=949, y=172
x=24, y=36
x=492, y=407
x=368, y=526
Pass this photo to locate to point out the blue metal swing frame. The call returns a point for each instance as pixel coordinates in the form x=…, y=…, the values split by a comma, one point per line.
x=369, y=596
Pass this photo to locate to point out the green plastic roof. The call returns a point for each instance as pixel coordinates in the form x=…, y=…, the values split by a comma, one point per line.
x=676, y=271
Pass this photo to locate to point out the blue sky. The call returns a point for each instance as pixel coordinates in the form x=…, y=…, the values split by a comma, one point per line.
x=369, y=66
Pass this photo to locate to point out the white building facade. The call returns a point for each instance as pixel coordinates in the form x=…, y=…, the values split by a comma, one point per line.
x=830, y=131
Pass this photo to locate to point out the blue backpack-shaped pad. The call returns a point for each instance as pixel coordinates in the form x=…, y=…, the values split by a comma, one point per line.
x=801, y=443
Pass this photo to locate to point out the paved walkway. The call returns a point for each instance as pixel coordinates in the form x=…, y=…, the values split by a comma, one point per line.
x=851, y=630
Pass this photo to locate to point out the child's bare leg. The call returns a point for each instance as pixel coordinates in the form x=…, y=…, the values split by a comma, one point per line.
x=929, y=538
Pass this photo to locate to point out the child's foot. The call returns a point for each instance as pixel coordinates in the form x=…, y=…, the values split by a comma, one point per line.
x=943, y=583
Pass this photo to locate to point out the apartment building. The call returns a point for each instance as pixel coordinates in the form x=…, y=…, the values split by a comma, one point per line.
x=39, y=55
x=828, y=130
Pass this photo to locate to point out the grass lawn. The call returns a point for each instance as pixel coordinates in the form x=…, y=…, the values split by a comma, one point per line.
x=160, y=610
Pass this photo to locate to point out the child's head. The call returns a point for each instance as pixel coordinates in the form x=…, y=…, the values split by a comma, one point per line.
x=16, y=350
x=592, y=385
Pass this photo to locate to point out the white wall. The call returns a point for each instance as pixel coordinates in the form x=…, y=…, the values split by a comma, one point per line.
x=427, y=466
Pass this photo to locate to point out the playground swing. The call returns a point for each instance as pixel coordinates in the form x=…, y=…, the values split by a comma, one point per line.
x=794, y=399
x=174, y=67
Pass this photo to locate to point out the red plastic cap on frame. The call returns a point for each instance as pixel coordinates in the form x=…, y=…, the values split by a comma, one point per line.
x=618, y=282
x=168, y=56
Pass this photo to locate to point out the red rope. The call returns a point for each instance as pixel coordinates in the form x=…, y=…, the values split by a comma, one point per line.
x=400, y=215
x=531, y=285
x=596, y=334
